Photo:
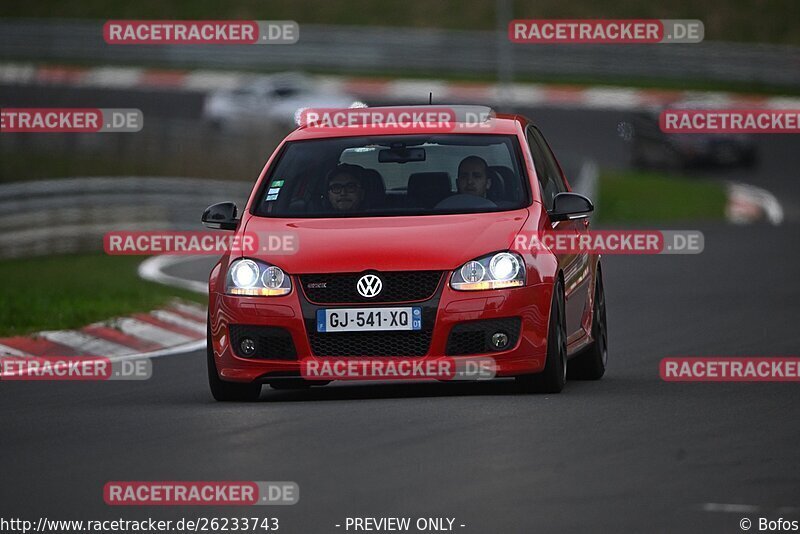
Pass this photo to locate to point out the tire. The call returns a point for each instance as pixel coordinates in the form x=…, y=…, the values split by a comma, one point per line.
x=554, y=375
x=591, y=363
x=227, y=391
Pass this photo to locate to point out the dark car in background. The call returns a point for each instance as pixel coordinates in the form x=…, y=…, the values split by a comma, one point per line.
x=653, y=148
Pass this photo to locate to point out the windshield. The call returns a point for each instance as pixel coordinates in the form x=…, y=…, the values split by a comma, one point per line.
x=394, y=175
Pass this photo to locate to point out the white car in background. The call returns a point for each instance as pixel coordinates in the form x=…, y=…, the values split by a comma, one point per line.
x=273, y=99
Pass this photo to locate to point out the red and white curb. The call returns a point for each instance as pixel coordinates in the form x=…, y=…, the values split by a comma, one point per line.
x=399, y=90
x=749, y=204
x=177, y=328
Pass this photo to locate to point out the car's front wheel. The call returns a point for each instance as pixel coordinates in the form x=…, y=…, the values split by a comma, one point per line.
x=227, y=391
x=554, y=375
x=591, y=363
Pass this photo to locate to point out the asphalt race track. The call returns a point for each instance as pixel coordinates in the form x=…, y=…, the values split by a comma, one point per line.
x=630, y=453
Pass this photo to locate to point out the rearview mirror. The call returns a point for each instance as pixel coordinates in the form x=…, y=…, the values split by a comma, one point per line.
x=568, y=206
x=401, y=155
x=221, y=216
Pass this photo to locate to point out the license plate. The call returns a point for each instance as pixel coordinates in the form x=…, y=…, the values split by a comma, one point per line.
x=369, y=319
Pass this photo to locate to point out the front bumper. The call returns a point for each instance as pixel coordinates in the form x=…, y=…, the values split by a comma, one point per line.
x=448, y=308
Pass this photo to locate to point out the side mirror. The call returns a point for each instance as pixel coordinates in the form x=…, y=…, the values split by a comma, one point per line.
x=568, y=206
x=221, y=216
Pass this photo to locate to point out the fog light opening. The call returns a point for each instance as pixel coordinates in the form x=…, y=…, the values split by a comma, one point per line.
x=247, y=346
x=499, y=340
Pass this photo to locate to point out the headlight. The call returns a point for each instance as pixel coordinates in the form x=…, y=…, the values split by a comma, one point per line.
x=255, y=278
x=496, y=271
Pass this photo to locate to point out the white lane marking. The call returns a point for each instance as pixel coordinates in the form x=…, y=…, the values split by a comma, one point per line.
x=5, y=350
x=178, y=320
x=151, y=269
x=149, y=332
x=730, y=508
x=745, y=508
x=85, y=343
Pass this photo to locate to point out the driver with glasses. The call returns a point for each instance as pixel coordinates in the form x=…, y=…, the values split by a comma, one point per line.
x=345, y=190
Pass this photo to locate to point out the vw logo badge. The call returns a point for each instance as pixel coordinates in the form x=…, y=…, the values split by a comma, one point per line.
x=369, y=286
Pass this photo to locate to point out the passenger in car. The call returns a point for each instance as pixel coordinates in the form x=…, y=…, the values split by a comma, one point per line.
x=345, y=187
x=473, y=176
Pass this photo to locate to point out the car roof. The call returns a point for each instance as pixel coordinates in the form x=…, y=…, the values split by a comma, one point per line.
x=497, y=124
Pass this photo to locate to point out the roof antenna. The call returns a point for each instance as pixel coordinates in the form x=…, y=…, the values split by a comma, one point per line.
x=430, y=98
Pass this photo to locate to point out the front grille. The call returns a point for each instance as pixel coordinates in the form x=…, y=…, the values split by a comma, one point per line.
x=271, y=342
x=398, y=286
x=475, y=337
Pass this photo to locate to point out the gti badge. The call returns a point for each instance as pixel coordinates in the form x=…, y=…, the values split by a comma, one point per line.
x=369, y=285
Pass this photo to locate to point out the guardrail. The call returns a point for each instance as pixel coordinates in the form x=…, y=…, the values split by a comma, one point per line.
x=71, y=215
x=353, y=49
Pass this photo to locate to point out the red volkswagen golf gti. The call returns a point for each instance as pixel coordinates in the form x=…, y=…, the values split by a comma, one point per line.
x=399, y=243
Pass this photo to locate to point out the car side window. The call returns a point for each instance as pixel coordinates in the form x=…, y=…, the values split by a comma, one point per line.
x=551, y=162
x=550, y=182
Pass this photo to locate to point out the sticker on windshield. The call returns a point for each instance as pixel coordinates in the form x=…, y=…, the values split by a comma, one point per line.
x=277, y=183
x=272, y=197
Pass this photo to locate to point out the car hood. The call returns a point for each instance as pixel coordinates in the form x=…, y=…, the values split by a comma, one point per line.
x=433, y=242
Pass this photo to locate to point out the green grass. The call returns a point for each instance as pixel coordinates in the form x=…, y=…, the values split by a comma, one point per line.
x=58, y=292
x=650, y=197
x=771, y=21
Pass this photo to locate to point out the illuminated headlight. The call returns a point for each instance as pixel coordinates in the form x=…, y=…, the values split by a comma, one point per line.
x=244, y=273
x=504, y=266
x=254, y=278
x=496, y=271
